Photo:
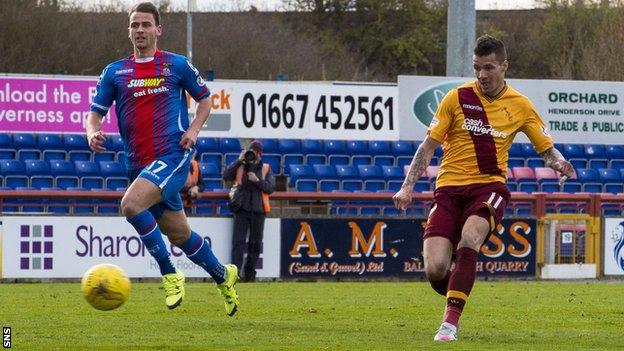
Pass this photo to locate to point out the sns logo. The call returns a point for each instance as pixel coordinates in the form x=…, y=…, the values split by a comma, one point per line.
x=145, y=82
x=618, y=239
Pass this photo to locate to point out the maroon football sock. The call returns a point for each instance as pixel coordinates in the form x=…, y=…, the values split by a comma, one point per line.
x=441, y=286
x=460, y=283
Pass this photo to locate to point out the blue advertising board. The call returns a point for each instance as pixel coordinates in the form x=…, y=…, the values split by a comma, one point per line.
x=334, y=248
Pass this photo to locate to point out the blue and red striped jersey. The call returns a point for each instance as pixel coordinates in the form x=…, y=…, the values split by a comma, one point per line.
x=150, y=103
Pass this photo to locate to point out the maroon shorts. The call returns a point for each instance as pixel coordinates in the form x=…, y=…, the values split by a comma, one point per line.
x=452, y=205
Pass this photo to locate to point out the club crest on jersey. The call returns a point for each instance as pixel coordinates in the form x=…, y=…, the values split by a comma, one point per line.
x=477, y=128
x=145, y=82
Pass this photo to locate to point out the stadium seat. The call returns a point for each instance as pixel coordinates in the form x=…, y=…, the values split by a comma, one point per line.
x=392, y=172
x=316, y=159
x=609, y=175
x=274, y=161
x=528, y=186
x=357, y=147
x=383, y=160
x=117, y=144
x=324, y=171
x=75, y=142
x=611, y=152
x=347, y=172
x=28, y=154
x=8, y=154
x=586, y=175
x=6, y=141
x=594, y=151
x=515, y=162
x=209, y=170
x=291, y=159
x=545, y=174
x=13, y=172
x=334, y=147
x=379, y=147
x=528, y=151
x=339, y=160
x=207, y=145
x=515, y=151
x=24, y=141
x=79, y=155
x=270, y=146
x=573, y=151
x=211, y=157
x=402, y=148
x=230, y=158
x=230, y=145
x=212, y=183
x=598, y=163
x=578, y=162
x=372, y=177
x=311, y=146
x=402, y=161
x=49, y=142
x=39, y=173
x=289, y=146
x=86, y=168
x=357, y=160
x=616, y=164
x=523, y=174
x=49, y=155
x=104, y=156
x=533, y=162
x=352, y=185
x=300, y=171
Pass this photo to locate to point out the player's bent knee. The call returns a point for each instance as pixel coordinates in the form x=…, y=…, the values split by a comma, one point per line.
x=435, y=271
x=128, y=208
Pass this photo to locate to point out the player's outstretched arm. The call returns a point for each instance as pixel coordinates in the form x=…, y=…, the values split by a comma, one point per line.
x=555, y=160
x=95, y=136
x=419, y=164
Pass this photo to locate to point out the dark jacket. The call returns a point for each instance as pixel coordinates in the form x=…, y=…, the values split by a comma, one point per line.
x=251, y=193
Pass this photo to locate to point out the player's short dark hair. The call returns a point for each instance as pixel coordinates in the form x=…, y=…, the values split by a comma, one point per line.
x=487, y=44
x=146, y=7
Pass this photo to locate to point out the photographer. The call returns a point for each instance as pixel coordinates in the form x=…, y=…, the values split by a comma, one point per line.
x=249, y=202
x=193, y=186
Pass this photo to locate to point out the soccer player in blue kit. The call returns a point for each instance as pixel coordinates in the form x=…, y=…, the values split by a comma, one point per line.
x=149, y=88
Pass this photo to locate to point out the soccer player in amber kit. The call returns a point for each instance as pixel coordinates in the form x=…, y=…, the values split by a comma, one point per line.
x=476, y=124
x=149, y=89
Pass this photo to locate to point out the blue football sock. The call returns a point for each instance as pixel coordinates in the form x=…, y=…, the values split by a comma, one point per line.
x=198, y=250
x=150, y=235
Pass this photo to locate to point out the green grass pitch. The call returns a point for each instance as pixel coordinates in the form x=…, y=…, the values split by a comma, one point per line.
x=320, y=316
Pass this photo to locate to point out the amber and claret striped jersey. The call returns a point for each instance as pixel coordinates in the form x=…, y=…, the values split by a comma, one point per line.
x=477, y=132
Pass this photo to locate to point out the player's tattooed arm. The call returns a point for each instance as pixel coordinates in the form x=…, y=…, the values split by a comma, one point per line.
x=419, y=164
x=555, y=160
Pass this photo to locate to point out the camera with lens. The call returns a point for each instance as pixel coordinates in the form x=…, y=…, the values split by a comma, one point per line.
x=249, y=158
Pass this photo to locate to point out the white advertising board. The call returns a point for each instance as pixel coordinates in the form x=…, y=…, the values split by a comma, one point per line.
x=303, y=110
x=613, y=246
x=65, y=247
x=587, y=112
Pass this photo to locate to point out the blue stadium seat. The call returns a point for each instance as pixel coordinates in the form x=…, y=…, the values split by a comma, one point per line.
x=114, y=174
x=357, y=147
x=533, y=162
x=316, y=159
x=573, y=151
x=6, y=141
x=28, y=154
x=335, y=147
x=402, y=148
x=24, y=141
x=612, y=152
x=311, y=146
x=392, y=172
x=8, y=154
x=578, y=162
x=512, y=186
x=586, y=175
x=339, y=160
x=594, y=151
x=270, y=146
x=344, y=172
x=39, y=173
x=214, y=158
x=49, y=155
x=368, y=172
x=62, y=168
x=572, y=187
x=357, y=160
x=306, y=185
x=516, y=150
x=75, y=142
x=550, y=187
x=50, y=142
x=207, y=145
x=609, y=175
x=212, y=183
x=117, y=144
x=326, y=176
x=209, y=170
x=593, y=188
x=403, y=161
x=383, y=160
x=300, y=171
x=291, y=159
x=515, y=162
x=230, y=158
x=274, y=161
x=79, y=155
x=328, y=185
x=598, y=163
x=617, y=164
x=528, y=151
x=528, y=186
x=613, y=188
x=104, y=156
x=351, y=185
x=379, y=147
x=230, y=145
x=87, y=169
x=14, y=173
x=289, y=146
